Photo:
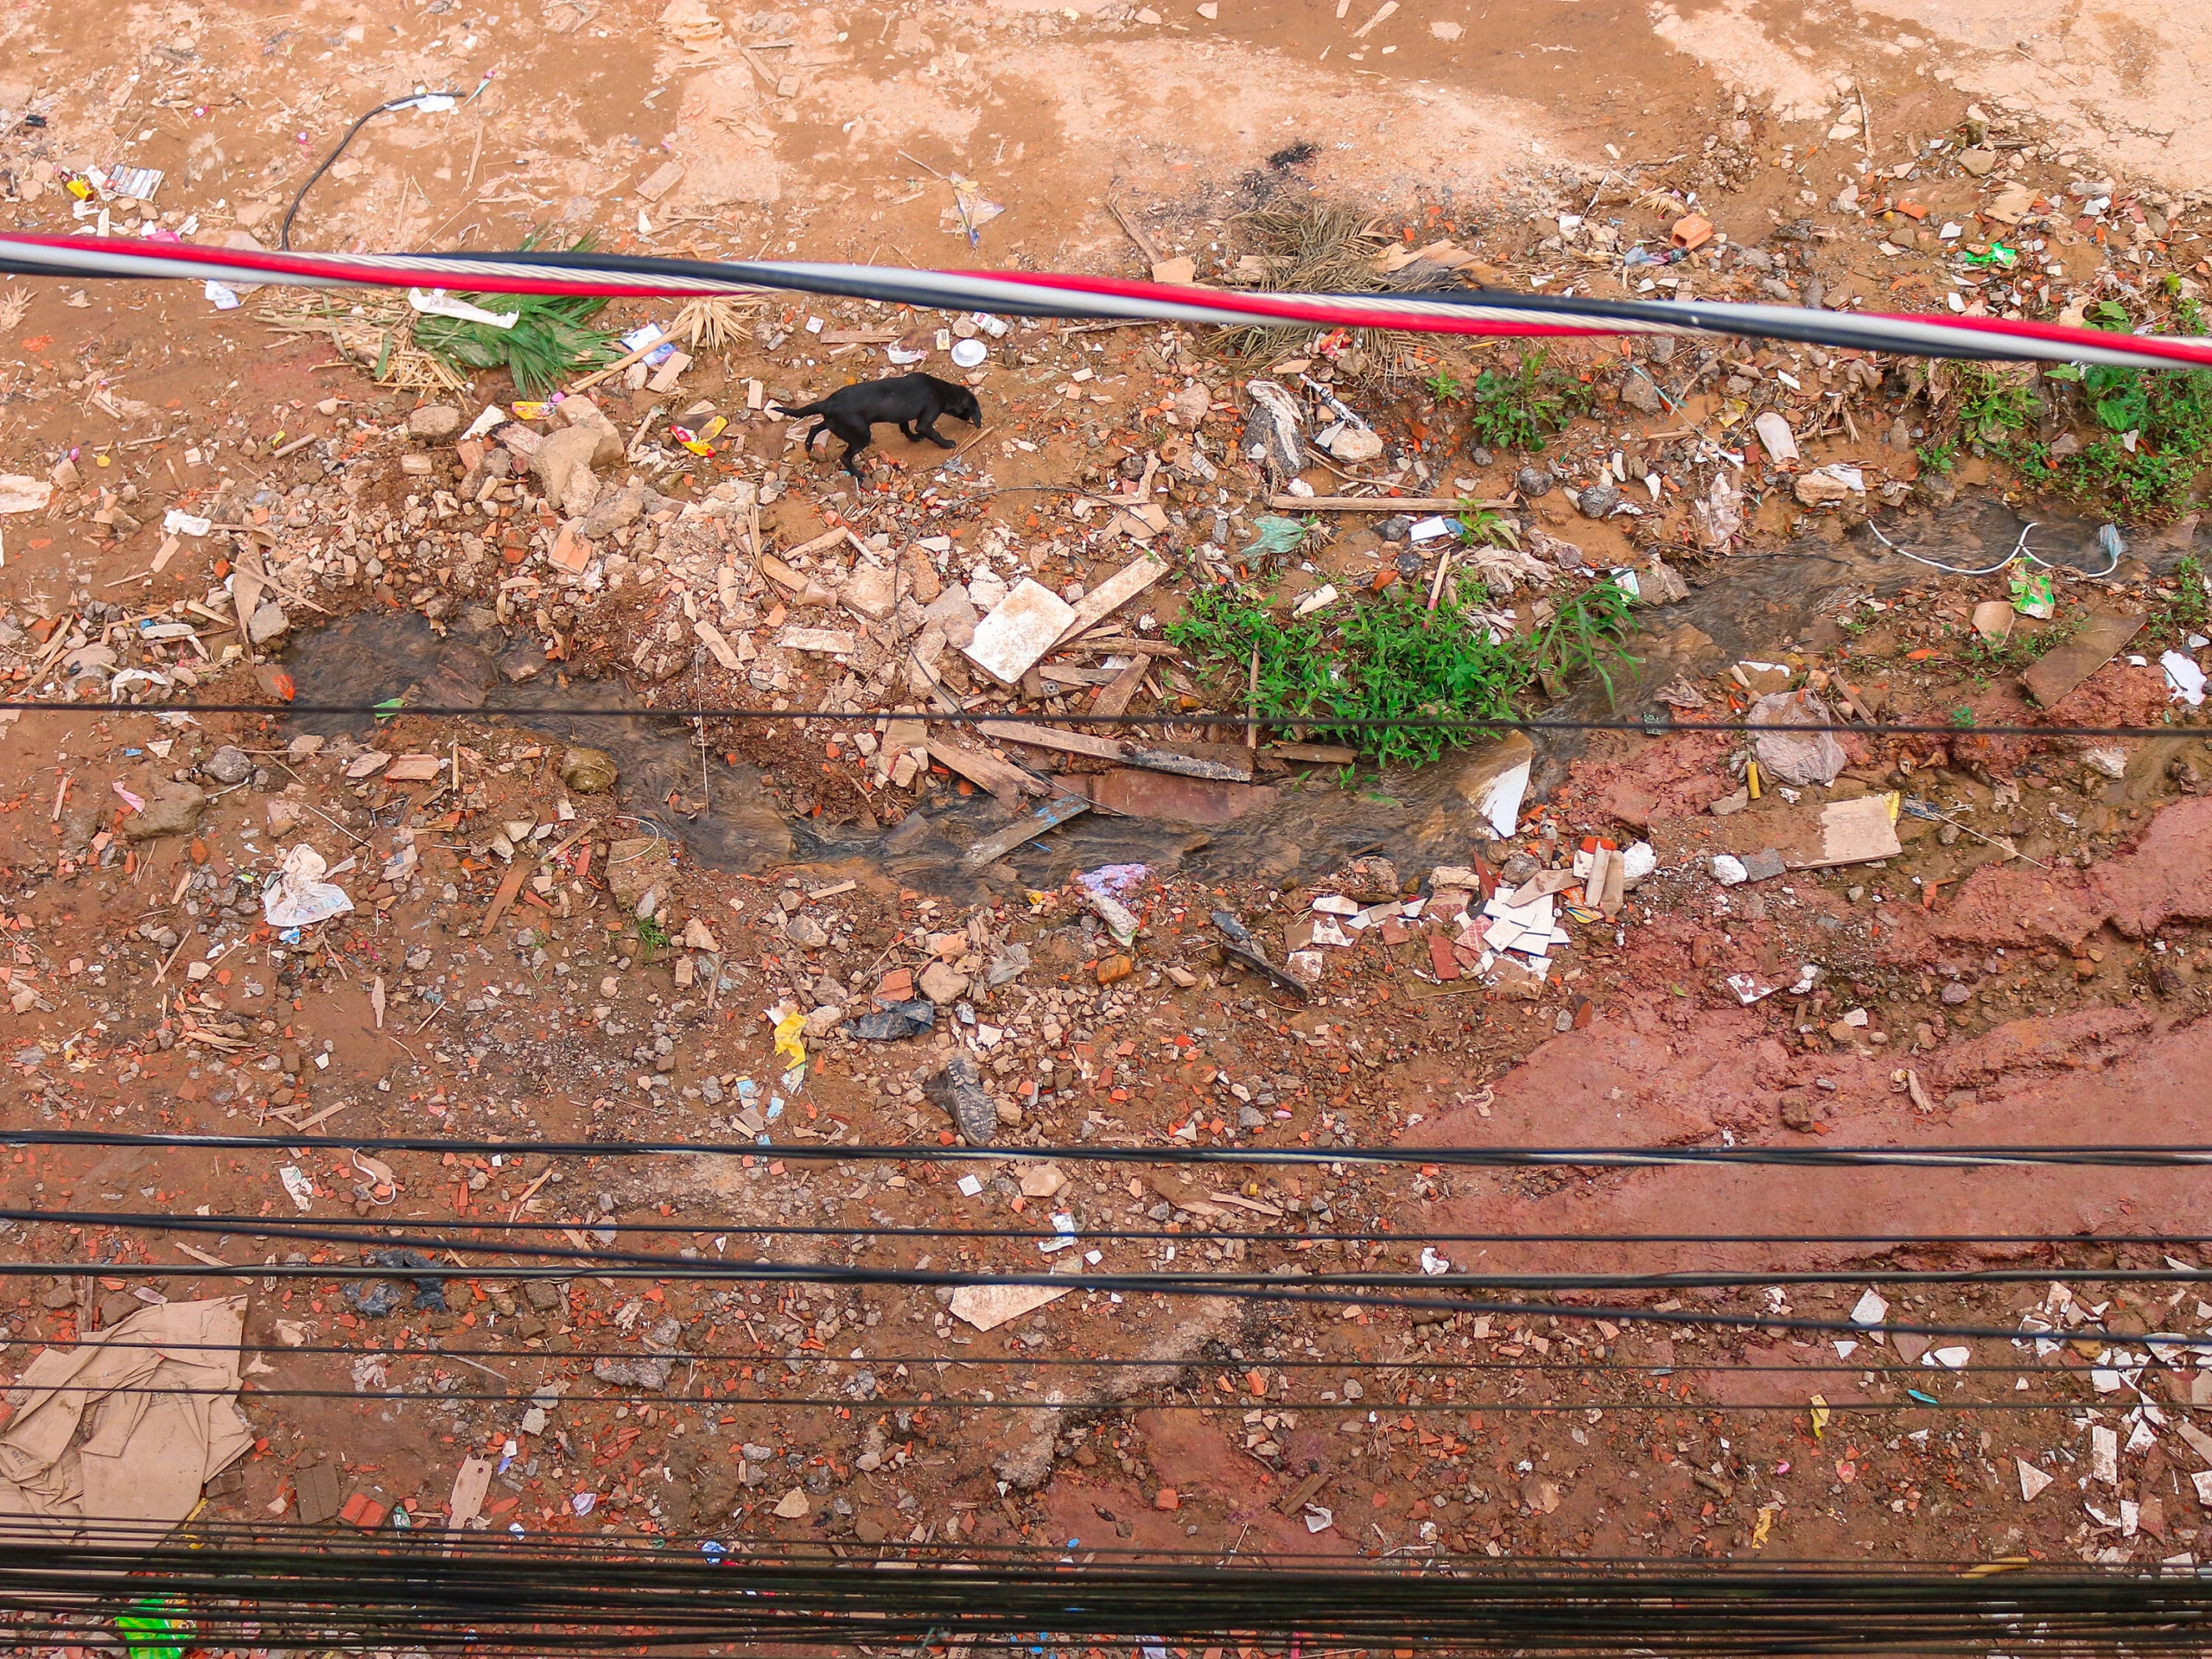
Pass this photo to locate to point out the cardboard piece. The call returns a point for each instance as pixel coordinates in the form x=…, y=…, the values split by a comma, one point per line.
x=988, y=1306
x=2061, y=670
x=104, y=1446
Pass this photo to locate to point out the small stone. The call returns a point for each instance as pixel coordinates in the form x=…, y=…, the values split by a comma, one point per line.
x=1954, y=993
x=268, y=622
x=1979, y=162
x=1639, y=393
x=810, y=935
x=942, y=984
x=1251, y=1117
x=1533, y=481
x=1480, y=456
x=1800, y=1111
x=1348, y=443
x=433, y=420
x=1167, y=1499
x=1111, y=969
x=174, y=811
x=587, y=771
x=228, y=765
x=1598, y=500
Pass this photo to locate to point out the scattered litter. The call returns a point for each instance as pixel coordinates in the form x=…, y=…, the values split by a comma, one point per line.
x=297, y=896
x=2185, y=679
x=381, y=1296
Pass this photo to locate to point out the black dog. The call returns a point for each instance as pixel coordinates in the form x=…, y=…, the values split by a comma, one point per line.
x=909, y=402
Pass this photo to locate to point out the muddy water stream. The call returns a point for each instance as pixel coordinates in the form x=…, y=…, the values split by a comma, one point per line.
x=1757, y=606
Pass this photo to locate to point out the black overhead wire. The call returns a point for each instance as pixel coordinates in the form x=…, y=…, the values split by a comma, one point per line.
x=1380, y=1409
x=278, y=1226
x=1650, y=727
x=1964, y=1156
x=428, y=1348
x=1256, y=1289
x=496, y=1598
x=634, y=1262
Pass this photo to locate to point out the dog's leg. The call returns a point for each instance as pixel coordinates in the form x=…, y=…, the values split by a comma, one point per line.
x=927, y=426
x=857, y=434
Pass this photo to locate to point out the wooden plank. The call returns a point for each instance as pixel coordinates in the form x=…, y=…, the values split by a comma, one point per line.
x=1113, y=699
x=986, y=771
x=1376, y=503
x=1219, y=765
x=510, y=885
x=1046, y=737
x=995, y=846
x=1111, y=595
x=1319, y=754
x=2060, y=670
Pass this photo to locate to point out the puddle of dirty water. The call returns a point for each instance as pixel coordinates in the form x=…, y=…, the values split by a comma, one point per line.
x=1759, y=604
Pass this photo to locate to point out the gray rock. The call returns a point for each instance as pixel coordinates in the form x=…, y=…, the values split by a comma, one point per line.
x=1396, y=527
x=1348, y=443
x=1028, y=1465
x=942, y=984
x=1639, y=393
x=623, y=508
x=807, y=933
x=1660, y=584
x=1954, y=993
x=1533, y=481
x=174, y=811
x=563, y=465
x=433, y=420
x=228, y=765
x=268, y=622
x=1480, y=456
x=1251, y=1117
x=1598, y=500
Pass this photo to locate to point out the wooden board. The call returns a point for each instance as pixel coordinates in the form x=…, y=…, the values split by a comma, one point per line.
x=1051, y=816
x=2065, y=668
x=1048, y=737
x=986, y=771
x=1109, y=595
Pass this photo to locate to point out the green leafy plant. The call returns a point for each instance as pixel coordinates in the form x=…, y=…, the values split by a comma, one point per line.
x=652, y=935
x=1442, y=388
x=1939, y=456
x=1487, y=525
x=1519, y=407
x=1995, y=402
x=2190, y=611
x=1962, y=716
x=550, y=340
x=1391, y=657
x=2154, y=430
x=2019, y=651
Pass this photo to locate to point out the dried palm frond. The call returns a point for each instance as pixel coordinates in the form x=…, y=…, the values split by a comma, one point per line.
x=12, y=309
x=1327, y=248
x=712, y=321
x=373, y=328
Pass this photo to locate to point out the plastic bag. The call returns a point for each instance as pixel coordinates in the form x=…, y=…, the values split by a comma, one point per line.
x=297, y=896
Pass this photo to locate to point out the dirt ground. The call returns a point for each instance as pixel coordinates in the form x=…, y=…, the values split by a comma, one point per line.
x=587, y=927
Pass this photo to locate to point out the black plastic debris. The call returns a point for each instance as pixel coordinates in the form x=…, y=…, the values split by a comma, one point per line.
x=379, y=1297
x=899, y=1020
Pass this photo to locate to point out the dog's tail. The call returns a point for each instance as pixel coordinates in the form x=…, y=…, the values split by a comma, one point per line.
x=811, y=409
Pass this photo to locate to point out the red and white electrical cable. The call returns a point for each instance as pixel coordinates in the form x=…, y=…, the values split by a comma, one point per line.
x=1469, y=312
